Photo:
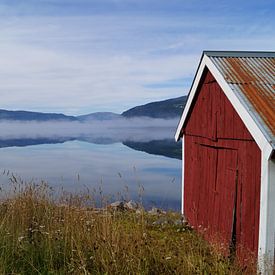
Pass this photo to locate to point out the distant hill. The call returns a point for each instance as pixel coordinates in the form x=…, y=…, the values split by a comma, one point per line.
x=99, y=116
x=169, y=108
x=22, y=142
x=25, y=115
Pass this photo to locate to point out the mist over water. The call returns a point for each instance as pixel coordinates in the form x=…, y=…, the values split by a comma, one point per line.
x=122, y=129
x=80, y=155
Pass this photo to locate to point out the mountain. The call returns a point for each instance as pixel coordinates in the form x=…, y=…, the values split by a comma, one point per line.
x=169, y=108
x=26, y=115
x=99, y=116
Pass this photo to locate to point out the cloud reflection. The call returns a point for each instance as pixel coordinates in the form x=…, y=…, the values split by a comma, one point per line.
x=79, y=165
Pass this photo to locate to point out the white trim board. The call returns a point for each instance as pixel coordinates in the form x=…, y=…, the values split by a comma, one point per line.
x=182, y=176
x=267, y=217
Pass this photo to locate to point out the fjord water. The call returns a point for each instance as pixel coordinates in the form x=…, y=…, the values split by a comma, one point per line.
x=77, y=165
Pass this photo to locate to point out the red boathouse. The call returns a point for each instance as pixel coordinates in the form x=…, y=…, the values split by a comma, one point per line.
x=228, y=141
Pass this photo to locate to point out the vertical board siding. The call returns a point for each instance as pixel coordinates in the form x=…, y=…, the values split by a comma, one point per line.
x=222, y=172
x=216, y=117
x=226, y=169
x=203, y=125
x=250, y=200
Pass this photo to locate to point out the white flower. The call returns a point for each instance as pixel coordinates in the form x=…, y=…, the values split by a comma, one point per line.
x=20, y=238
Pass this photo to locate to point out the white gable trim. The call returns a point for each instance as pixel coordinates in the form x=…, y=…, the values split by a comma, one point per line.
x=249, y=122
x=190, y=98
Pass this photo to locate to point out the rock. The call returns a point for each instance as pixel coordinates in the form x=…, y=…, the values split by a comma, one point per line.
x=138, y=211
x=163, y=221
x=166, y=220
x=184, y=222
x=181, y=222
x=160, y=221
x=178, y=222
x=124, y=206
x=117, y=205
x=155, y=211
x=131, y=205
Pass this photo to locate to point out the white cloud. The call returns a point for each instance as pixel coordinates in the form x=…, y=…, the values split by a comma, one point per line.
x=105, y=62
x=42, y=76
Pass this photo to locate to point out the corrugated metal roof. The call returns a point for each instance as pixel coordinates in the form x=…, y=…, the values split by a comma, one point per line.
x=251, y=75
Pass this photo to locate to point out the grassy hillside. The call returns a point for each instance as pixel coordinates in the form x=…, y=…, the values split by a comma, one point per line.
x=43, y=235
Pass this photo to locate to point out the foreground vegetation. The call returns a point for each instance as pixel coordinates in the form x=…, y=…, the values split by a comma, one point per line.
x=42, y=235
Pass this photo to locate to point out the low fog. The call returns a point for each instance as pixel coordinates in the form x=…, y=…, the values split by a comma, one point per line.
x=117, y=130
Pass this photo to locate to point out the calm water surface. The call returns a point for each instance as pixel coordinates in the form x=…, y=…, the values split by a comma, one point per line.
x=115, y=168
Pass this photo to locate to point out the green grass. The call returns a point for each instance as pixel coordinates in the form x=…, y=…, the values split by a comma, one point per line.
x=43, y=235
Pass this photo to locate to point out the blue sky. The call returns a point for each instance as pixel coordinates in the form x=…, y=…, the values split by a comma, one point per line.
x=81, y=56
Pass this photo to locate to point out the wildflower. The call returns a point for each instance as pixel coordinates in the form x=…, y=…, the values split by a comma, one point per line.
x=89, y=223
x=20, y=238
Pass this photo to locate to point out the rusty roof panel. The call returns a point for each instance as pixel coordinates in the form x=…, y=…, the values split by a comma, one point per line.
x=252, y=78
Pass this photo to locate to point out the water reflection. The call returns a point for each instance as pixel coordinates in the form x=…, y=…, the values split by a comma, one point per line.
x=112, y=153
x=75, y=164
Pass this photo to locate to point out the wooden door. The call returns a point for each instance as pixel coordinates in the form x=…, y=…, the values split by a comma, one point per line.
x=216, y=195
x=225, y=201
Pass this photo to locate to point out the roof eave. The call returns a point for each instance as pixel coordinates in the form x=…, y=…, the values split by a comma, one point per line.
x=239, y=54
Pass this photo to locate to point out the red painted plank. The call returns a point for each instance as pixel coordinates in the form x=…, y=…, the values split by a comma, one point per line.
x=213, y=116
x=250, y=197
x=226, y=183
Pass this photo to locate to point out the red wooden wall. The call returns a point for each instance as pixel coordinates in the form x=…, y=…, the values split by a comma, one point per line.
x=222, y=172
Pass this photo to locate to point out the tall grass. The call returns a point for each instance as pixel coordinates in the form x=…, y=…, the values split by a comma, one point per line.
x=42, y=235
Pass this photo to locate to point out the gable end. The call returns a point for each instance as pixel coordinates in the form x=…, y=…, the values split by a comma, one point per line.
x=264, y=143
